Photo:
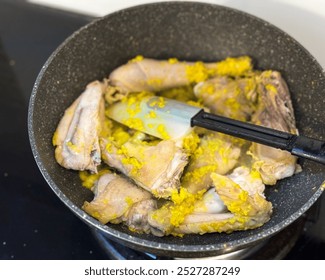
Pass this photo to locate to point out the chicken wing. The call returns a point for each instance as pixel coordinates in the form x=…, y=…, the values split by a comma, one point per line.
x=144, y=74
x=230, y=208
x=119, y=200
x=77, y=135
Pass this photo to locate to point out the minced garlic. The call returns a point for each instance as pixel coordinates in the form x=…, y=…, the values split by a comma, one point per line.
x=196, y=175
x=88, y=179
x=190, y=142
x=234, y=66
x=198, y=72
x=183, y=205
x=163, y=132
x=136, y=164
x=120, y=136
x=180, y=93
x=137, y=58
x=135, y=123
x=55, y=139
x=151, y=115
x=155, y=82
x=172, y=60
x=271, y=88
x=160, y=103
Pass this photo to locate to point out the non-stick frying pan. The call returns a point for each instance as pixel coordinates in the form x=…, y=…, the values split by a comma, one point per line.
x=188, y=31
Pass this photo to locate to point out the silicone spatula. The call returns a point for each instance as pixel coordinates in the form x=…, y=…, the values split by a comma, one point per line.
x=170, y=119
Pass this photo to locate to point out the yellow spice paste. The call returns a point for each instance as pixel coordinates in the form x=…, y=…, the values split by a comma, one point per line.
x=88, y=179
x=234, y=66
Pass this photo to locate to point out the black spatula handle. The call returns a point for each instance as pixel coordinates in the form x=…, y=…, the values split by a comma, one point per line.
x=300, y=146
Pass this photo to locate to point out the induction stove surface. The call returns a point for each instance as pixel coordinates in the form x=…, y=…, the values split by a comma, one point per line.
x=35, y=224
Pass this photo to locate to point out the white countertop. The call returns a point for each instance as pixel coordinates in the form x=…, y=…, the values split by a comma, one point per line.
x=302, y=19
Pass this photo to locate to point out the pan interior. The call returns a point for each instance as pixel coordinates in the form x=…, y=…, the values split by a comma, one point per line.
x=188, y=31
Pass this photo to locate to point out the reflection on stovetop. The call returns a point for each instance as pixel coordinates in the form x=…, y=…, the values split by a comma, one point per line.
x=34, y=224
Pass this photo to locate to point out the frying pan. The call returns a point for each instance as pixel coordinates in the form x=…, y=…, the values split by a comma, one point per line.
x=188, y=31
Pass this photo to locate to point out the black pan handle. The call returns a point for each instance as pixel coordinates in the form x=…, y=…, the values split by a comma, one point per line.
x=300, y=146
x=309, y=148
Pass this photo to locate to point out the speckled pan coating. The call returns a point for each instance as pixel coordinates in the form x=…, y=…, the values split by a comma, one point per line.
x=191, y=31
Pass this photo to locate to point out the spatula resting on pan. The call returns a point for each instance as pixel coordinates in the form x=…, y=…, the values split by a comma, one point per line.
x=170, y=119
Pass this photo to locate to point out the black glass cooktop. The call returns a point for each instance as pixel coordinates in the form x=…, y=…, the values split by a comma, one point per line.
x=34, y=223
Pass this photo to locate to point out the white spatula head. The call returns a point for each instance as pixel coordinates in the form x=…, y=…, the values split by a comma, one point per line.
x=158, y=116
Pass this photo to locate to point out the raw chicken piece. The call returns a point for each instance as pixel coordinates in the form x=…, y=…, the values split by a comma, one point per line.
x=247, y=211
x=156, y=168
x=243, y=211
x=77, y=135
x=211, y=203
x=274, y=110
x=173, y=213
x=232, y=98
x=119, y=200
x=137, y=217
x=149, y=75
x=248, y=180
x=216, y=152
x=273, y=164
x=160, y=220
x=143, y=74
